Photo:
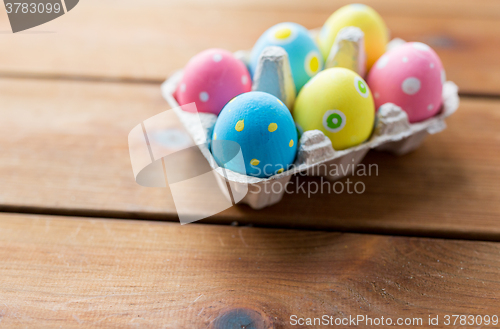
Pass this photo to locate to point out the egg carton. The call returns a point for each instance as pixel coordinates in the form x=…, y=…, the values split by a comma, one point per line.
x=392, y=132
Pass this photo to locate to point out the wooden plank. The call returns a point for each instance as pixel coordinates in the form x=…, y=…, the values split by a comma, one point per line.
x=64, y=151
x=443, y=8
x=150, y=40
x=69, y=272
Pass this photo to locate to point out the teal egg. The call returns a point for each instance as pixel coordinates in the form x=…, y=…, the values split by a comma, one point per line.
x=263, y=128
x=303, y=53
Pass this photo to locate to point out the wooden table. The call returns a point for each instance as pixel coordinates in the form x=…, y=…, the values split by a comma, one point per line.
x=82, y=245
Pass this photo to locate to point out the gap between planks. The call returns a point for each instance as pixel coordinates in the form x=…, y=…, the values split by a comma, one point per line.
x=226, y=221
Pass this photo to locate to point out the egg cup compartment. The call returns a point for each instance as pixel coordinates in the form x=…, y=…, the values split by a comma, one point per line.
x=392, y=132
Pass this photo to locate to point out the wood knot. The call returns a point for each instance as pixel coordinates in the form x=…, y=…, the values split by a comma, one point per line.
x=242, y=318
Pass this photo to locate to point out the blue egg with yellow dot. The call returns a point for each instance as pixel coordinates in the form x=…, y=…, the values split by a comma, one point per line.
x=303, y=53
x=263, y=128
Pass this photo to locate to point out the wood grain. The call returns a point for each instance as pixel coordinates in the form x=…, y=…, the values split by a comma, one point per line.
x=64, y=151
x=71, y=272
x=125, y=40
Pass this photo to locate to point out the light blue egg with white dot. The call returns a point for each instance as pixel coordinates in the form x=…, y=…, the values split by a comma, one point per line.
x=263, y=128
x=303, y=53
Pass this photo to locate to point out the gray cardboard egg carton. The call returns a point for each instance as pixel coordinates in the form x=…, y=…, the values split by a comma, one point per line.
x=392, y=131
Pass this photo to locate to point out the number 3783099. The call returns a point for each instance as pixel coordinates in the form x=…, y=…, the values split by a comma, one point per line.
x=32, y=8
x=471, y=320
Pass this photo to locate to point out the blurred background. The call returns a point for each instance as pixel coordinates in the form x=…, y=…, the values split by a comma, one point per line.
x=147, y=42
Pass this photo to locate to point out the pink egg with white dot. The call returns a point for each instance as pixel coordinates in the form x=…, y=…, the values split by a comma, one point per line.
x=211, y=79
x=410, y=76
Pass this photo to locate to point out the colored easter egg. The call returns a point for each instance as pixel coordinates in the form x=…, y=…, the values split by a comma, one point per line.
x=338, y=102
x=211, y=79
x=410, y=76
x=264, y=129
x=363, y=17
x=303, y=53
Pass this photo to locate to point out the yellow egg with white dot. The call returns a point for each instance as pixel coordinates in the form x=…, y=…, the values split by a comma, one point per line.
x=338, y=102
x=363, y=17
